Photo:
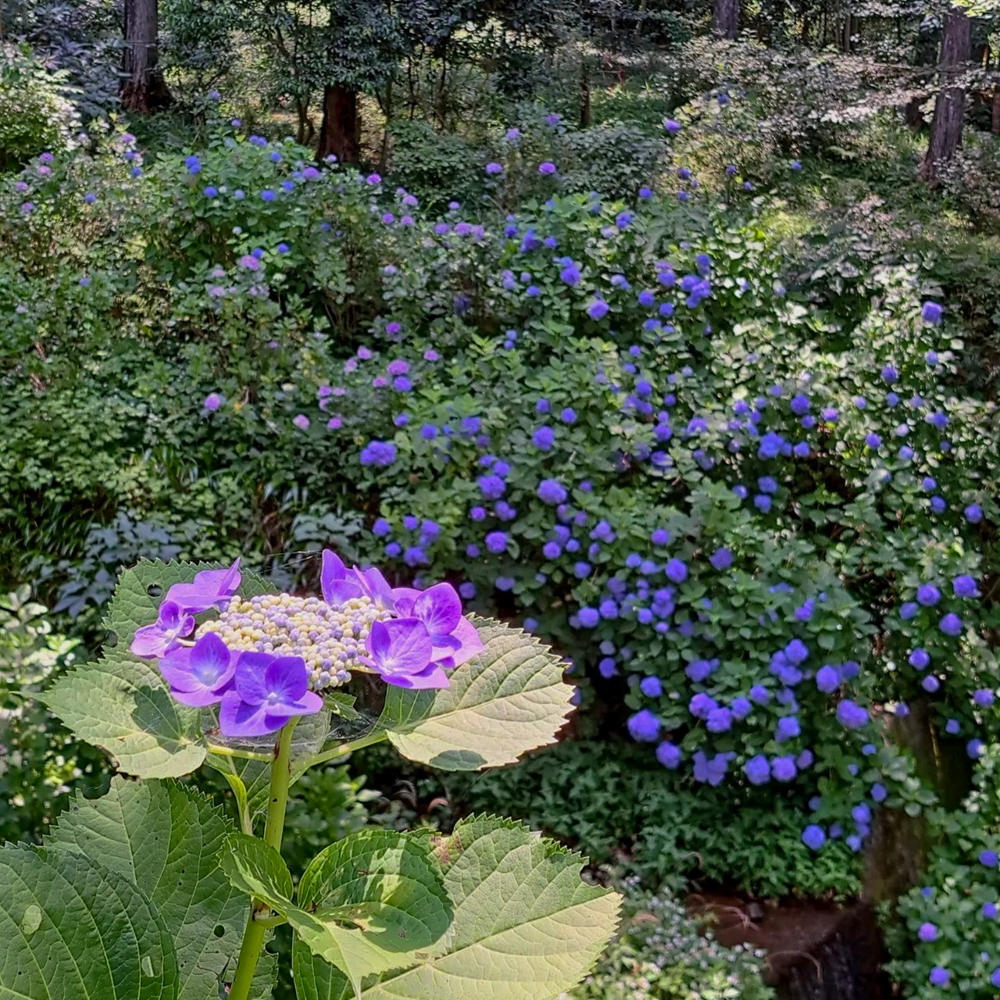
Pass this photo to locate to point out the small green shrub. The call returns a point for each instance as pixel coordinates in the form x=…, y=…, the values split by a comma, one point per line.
x=661, y=953
x=40, y=764
x=436, y=167
x=607, y=799
x=35, y=114
x=972, y=179
x=946, y=933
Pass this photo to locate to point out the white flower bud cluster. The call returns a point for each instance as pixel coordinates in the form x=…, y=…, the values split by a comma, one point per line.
x=330, y=638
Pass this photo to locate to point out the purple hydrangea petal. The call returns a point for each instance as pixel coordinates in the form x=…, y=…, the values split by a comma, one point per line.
x=286, y=680
x=249, y=679
x=269, y=691
x=338, y=586
x=151, y=641
x=440, y=610
x=200, y=674
x=404, y=598
x=432, y=678
x=210, y=588
x=399, y=648
x=376, y=588
x=459, y=647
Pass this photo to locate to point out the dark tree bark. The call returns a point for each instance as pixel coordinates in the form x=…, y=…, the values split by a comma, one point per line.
x=995, y=115
x=949, y=108
x=142, y=87
x=306, y=130
x=586, y=111
x=726, y=18
x=338, y=135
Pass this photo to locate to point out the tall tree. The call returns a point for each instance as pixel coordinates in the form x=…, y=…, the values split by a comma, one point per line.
x=362, y=44
x=726, y=18
x=949, y=108
x=142, y=87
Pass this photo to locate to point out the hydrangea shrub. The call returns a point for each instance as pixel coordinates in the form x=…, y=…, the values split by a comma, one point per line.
x=772, y=531
x=210, y=666
x=945, y=938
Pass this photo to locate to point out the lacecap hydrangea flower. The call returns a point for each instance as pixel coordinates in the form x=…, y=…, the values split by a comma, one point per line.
x=263, y=659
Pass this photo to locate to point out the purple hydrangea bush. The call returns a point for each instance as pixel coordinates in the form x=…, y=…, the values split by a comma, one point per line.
x=760, y=530
x=947, y=939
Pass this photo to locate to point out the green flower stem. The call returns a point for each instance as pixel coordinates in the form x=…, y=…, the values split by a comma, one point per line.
x=222, y=751
x=277, y=803
x=346, y=748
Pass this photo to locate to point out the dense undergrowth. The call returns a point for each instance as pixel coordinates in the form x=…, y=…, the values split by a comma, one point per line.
x=714, y=416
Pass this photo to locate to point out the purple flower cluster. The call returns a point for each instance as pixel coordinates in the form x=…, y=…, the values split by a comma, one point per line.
x=262, y=659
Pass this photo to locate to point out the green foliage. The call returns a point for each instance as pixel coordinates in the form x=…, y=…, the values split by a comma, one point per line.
x=165, y=841
x=613, y=158
x=197, y=40
x=609, y=801
x=661, y=953
x=126, y=311
x=371, y=902
x=436, y=167
x=972, y=179
x=35, y=114
x=59, y=908
x=39, y=762
x=570, y=922
x=230, y=312
x=120, y=703
x=248, y=778
x=758, y=106
x=959, y=900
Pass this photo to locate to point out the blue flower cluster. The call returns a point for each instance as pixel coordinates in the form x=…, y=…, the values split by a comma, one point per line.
x=737, y=669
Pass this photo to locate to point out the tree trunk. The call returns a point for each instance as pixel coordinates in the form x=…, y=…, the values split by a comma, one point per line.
x=949, y=108
x=726, y=18
x=995, y=117
x=586, y=111
x=306, y=129
x=142, y=87
x=338, y=135
x=441, y=100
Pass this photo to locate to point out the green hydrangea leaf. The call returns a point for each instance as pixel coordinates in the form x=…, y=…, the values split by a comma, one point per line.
x=75, y=930
x=121, y=704
x=257, y=869
x=508, y=700
x=167, y=840
x=369, y=902
x=141, y=588
x=525, y=926
x=265, y=977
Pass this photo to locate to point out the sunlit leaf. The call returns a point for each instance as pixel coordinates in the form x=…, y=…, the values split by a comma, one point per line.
x=508, y=700
x=167, y=840
x=525, y=926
